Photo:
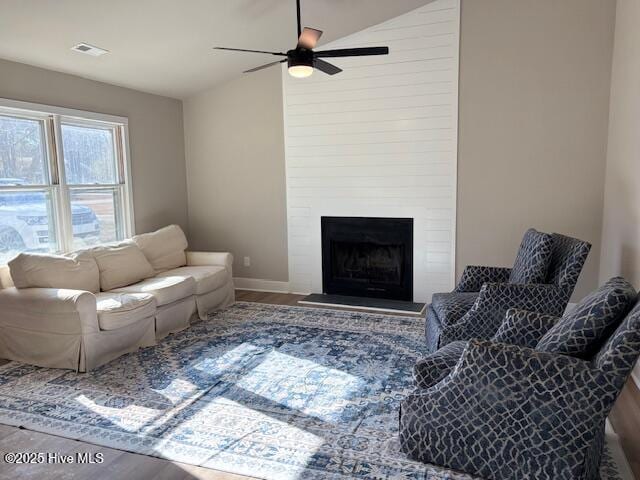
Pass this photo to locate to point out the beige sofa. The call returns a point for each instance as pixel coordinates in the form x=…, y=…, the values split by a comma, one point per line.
x=84, y=309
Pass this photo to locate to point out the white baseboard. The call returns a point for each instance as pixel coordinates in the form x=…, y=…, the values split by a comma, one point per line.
x=259, y=285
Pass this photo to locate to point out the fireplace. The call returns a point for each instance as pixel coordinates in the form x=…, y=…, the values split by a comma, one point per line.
x=368, y=257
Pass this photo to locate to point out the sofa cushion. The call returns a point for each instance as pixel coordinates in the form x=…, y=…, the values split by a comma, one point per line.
x=74, y=271
x=121, y=265
x=451, y=307
x=208, y=278
x=165, y=290
x=164, y=248
x=533, y=259
x=116, y=310
x=582, y=330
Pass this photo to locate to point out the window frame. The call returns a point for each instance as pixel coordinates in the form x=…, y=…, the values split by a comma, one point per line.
x=52, y=119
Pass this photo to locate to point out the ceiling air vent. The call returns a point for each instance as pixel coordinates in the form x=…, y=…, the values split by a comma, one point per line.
x=89, y=49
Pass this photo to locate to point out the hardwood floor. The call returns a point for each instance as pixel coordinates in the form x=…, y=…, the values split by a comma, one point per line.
x=291, y=299
x=268, y=297
x=117, y=464
x=625, y=418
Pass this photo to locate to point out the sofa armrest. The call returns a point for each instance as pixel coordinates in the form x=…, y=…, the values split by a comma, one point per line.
x=474, y=276
x=54, y=310
x=222, y=259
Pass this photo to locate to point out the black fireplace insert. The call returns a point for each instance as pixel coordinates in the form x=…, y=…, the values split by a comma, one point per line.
x=368, y=257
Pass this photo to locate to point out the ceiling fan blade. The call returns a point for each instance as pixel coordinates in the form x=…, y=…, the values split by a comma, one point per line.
x=264, y=66
x=326, y=67
x=280, y=54
x=353, y=52
x=309, y=37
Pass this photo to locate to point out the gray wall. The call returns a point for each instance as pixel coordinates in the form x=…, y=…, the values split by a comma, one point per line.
x=534, y=99
x=621, y=232
x=235, y=165
x=155, y=134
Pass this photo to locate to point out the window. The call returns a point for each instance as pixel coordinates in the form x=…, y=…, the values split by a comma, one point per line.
x=64, y=180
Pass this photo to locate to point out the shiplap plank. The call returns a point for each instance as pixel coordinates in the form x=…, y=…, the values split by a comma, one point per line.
x=432, y=70
x=436, y=162
x=433, y=135
x=393, y=100
x=313, y=117
x=397, y=181
x=372, y=93
x=371, y=126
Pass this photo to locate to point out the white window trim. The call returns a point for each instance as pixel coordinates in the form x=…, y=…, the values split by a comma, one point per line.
x=33, y=110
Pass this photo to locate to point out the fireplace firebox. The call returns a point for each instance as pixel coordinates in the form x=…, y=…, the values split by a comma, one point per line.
x=368, y=257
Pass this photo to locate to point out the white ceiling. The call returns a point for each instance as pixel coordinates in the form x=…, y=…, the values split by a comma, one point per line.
x=165, y=46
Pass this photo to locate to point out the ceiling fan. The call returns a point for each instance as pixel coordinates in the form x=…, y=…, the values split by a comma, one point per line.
x=302, y=60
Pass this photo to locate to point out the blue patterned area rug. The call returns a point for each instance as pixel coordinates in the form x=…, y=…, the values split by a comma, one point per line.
x=268, y=391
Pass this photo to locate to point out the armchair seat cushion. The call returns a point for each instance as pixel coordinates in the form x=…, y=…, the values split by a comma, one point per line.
x=116, y=310
x=208, y=278
x=451, y=307
x=165, y=290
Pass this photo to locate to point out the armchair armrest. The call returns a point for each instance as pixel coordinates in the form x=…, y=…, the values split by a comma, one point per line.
x=524, y=328
x=54, y=310
x=222, y=259
x=515, y=400
x=430, y=370
x=485, y=317
x=474, y=276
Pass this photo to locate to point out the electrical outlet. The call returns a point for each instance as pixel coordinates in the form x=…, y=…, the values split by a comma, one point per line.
x=247, y=261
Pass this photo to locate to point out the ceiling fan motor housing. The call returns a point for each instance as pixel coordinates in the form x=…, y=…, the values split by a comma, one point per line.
x=300, y=56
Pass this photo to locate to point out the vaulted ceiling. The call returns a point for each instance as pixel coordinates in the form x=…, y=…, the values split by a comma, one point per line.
x=165, y=46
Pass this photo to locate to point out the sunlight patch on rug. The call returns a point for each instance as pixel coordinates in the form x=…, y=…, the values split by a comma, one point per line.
x=302, y=385
x=131, y=418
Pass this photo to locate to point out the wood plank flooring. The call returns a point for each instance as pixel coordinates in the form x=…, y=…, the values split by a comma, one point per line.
x=117, y=464
x=625, y=418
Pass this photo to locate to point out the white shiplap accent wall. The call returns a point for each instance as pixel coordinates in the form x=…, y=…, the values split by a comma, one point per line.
x=379, y=140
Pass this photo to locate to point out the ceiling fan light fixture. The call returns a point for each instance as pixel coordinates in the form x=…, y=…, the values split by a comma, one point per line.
x=301, y=71
x=300, y=63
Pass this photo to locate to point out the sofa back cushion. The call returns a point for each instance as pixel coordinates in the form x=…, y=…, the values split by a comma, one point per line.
x=164, y=248
x=73, y=271
x=533, y=259
x=121, y=265
x=580, y=332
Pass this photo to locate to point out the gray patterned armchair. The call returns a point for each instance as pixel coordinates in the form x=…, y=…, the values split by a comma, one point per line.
x=501, y=409
x=544, y=275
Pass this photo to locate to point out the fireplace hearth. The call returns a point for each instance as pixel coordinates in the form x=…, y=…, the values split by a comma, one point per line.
x=368, y=257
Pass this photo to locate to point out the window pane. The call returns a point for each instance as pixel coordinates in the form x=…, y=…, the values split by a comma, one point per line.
x=22, y=158
x=26, y=223
x=89, y=155
x=94, y=217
